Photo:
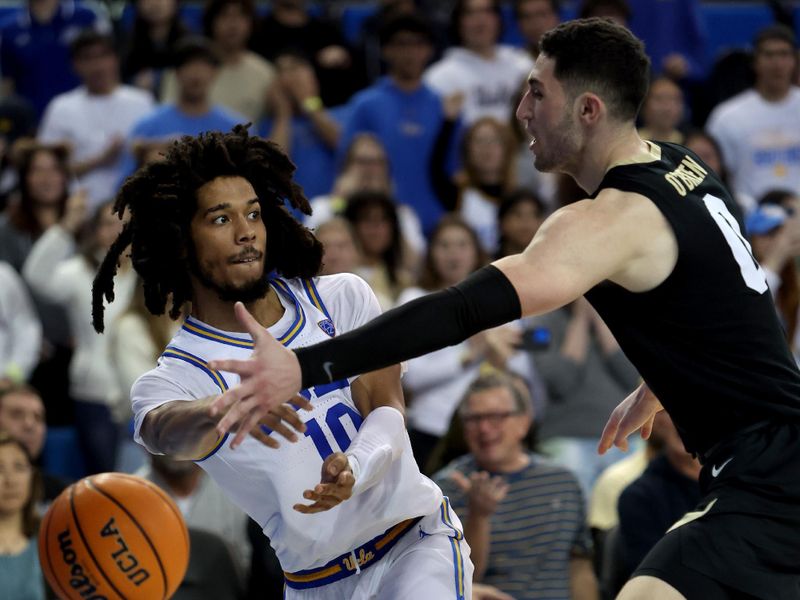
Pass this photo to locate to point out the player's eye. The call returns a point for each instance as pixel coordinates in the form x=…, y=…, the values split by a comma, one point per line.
x=254, y=215
x=537, y=94
x=220, y=220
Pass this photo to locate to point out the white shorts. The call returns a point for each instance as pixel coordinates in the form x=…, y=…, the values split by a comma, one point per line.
x=431, y=562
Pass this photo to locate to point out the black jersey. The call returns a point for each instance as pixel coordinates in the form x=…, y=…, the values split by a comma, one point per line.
x=707, y=340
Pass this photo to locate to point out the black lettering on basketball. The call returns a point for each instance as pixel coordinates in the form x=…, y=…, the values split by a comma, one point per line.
x=108, y=529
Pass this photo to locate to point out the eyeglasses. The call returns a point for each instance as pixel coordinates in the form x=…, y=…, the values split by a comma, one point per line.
x=493, y=418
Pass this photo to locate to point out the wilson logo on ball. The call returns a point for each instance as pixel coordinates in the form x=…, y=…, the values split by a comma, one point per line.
x=79, y=580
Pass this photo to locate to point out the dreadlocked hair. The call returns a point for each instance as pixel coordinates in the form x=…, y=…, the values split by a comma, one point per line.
x=162, y=199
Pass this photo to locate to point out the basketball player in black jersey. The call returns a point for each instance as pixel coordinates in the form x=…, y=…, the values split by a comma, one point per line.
x=656, y=250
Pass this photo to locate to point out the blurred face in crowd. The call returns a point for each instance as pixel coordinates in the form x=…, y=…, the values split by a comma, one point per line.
x=368, y=165
x=494, y=428
x=340, y=253
x=705, y=149
x=534, y=18
x=297, y=76
x=97, y=67
x=22, y=417
x=157, y=11
x=229, y=239
x=487, y=149
x=195, y=79
x=407, y=53
x=46, y=180
x=521, y=223
x=374, y=231
x=16, y=479
x=453, y=254
x=232, y=28
x=480, y=25
x=663, y=108
x=547, y=113
x=774, y=64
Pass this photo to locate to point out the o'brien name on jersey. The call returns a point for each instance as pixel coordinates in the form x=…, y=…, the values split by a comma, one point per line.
x=687, y=176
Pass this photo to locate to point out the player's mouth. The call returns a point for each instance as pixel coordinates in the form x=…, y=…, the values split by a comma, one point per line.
x=247, y=257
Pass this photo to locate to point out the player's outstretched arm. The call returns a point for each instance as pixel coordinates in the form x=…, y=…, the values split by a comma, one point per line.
x=578, y=247
x=186, y=430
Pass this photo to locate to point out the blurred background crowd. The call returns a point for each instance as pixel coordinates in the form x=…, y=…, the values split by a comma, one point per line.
x=400, y=117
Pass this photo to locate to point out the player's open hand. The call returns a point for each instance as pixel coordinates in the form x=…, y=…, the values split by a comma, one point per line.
x=284, y=421
x=636, y=412
x=336, y=486
x=269, y=377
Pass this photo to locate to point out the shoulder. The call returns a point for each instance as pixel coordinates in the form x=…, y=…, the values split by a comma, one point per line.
x=347, y=286
x=516, y=57
x=732, y=107
x=464, y=464
x=258, y=63
x=409, y=294
x=130, y=93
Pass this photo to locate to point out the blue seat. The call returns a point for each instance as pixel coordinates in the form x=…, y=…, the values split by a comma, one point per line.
x=62, y=454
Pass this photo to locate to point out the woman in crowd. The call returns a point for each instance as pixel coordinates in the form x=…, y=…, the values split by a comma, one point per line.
x=373, y=216
x=519, y=217
x=340, y=248
x=20, y=490
x=57, y=272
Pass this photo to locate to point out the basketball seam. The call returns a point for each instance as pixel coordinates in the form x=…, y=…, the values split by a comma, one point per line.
x=48, y=519
x=86, y=544
x=141, y=529
x=164, y=496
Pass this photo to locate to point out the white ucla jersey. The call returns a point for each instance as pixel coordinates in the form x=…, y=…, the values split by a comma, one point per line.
x=267, y=482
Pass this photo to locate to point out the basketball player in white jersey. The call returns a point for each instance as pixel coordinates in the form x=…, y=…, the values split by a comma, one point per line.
x=345, y=507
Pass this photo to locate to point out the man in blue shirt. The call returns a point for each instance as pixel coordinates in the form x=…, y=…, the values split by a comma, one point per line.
x=193, y=113
x=34, y=48
x=405, y=114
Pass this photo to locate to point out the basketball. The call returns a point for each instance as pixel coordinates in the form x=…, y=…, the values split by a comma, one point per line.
x=113, y=536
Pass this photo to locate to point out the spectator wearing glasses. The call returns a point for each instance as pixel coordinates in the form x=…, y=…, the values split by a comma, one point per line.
x=525, y=518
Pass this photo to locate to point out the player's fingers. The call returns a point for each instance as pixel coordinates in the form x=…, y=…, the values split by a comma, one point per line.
x=265, y=439
x=290, y=416
x=310, y=509
x=647, y=428
x=301, y=402
x=235, y=394
x=609, y=433
x=244, y=368
x=247, y=424
x=283, y=431
x=253, y=327
x=337, y=465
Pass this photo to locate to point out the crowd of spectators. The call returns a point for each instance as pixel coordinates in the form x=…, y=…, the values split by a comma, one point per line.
x=405, y=140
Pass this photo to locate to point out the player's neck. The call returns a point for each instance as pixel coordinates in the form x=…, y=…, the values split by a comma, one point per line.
x=610, y=148
x=211, y=310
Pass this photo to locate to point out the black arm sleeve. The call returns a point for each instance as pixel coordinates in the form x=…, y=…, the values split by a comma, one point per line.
x=485, y=299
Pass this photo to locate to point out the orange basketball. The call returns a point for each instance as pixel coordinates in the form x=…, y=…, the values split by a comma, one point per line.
x=113, y=537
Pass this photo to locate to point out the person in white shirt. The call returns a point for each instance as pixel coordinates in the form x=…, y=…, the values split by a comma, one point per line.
x=94, y=118
x=20, y=329
x=759, y=129
x=59, y=272
x=487, y=74
x=344, y=506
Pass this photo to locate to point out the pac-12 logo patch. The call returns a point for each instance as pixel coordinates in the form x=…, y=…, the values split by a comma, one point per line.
x=327, y=326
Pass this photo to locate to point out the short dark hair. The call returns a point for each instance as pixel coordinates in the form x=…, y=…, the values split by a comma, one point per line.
x=600, y=56
x=162, y=198
x=776, y=31
x=620, y=6
x=88, y=38
x=458, y=12
x=213, y=8
x=193, y=48
x=411, y=23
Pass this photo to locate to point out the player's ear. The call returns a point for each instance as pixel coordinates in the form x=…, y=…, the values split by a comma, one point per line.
x=590, y=108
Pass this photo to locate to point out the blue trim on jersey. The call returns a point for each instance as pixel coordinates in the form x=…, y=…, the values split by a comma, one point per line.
x=195, y=328
x=444, y=509
x=216, y=376
x=300, y=315
x=458, y=568
x=315, y=297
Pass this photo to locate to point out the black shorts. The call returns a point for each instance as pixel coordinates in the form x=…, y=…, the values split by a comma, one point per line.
x=743, y=539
